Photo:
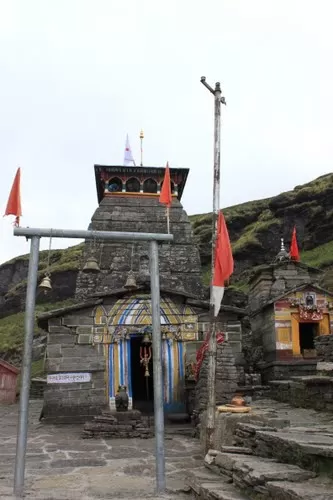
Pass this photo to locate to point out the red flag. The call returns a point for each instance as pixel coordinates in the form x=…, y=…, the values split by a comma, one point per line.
x=165, y=196
x=224, y=263
x=294, y=253
x=14, y=200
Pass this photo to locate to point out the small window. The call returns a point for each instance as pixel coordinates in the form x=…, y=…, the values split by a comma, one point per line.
x=132, y=185
x=150, y=186
x=115, y=185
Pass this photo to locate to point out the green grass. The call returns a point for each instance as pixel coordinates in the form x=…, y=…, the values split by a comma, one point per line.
x=68, y=259
x=320, y=257
x=250, y=235
x=12, y=327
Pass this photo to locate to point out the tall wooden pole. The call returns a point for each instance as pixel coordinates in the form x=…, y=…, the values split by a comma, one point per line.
x=212, y=346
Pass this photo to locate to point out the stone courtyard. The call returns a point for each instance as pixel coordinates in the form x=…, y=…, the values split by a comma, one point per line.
x=63, y=466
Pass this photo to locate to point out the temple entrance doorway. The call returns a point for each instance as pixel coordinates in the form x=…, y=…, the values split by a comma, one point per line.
x=142, y=385
x=307, y=334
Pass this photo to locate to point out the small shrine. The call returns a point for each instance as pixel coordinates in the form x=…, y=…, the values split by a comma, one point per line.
x=288, y=311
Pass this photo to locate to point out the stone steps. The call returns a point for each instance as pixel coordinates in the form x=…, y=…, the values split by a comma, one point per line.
x=233, y=476
x=309, y=448
x=207, y=485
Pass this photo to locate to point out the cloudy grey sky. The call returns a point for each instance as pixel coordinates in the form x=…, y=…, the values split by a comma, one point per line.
x=77, y=75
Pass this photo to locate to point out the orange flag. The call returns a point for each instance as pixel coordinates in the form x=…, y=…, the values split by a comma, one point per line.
x=294, y=252
x=223, y=265
x=14, y=200
x=165, y=196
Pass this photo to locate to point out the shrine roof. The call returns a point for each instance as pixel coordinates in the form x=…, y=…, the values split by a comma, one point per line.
x=289, y=291
x=270, y=267
x=9, y=367
x=178, y=175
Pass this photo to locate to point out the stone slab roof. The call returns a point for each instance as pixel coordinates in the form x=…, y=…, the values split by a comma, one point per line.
x=98, y=299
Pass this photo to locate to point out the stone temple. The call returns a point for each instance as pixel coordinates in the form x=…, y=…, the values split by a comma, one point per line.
x=103, y=341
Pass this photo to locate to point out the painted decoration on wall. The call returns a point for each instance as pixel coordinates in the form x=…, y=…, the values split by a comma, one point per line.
x=133, y=315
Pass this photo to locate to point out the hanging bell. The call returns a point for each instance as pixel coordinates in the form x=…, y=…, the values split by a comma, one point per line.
x=146, y=339
x=46, y=284
x=130, y=282
x=91, y=266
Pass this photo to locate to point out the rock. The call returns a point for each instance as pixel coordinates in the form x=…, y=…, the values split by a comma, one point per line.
x=209, y=459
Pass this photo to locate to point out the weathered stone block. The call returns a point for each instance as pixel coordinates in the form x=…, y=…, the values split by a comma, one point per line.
x=54, y=351
x=61, y=338
x=55, y=322
x=78, y=321
x=79, y=351
x=59, y=329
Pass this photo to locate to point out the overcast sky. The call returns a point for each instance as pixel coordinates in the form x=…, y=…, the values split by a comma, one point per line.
x=77, y=75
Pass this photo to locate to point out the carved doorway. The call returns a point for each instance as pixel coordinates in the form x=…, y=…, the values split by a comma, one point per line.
x=142, y=384
x=307, y=335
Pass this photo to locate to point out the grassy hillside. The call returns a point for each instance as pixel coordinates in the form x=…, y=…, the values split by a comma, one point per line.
x=255, y=230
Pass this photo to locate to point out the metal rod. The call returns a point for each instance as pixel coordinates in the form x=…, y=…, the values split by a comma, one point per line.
x=21, y=443
x=157, y=369
x=90, y=235
x=212, y=347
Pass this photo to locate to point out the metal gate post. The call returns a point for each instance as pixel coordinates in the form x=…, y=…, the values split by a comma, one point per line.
x=157, y=368
x=29, y=320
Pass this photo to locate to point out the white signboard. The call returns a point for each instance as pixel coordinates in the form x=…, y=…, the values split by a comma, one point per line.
x=68, y=378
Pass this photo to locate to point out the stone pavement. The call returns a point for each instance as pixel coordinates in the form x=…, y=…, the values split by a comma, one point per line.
x=63, y=466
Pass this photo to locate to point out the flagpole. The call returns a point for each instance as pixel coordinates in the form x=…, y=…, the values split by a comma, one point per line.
x=141, y=149
x=168, y=218
x=212, y=346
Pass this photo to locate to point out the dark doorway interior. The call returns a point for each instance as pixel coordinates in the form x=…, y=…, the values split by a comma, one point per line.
x=307, y=334
x=142, y=387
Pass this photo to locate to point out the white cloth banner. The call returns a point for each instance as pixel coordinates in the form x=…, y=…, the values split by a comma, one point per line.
x=128, y=157
x=217, y=296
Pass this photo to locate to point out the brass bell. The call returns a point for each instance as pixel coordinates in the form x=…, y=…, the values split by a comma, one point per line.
x=130, y=282
x=46, y=284
x=146, y=339
x=91, y=266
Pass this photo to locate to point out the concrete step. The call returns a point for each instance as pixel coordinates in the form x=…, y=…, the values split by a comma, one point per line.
x=309, y=448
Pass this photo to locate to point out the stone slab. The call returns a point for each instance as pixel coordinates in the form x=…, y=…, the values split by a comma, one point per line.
x=253, y=471
x=293, y=491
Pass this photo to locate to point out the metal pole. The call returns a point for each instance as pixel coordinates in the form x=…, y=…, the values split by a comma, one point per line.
x=90, y=235
x=157, y=369
x=21, y=444
x=212, y=347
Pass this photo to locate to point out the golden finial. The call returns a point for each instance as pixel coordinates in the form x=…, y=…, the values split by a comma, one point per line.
x=141, y=139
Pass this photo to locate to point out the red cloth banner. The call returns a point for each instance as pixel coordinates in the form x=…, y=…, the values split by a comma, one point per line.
x=202, y=351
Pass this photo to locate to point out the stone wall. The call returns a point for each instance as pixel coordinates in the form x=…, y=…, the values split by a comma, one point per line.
x=69, y=350
x=314, y=392
x=179, y=262
x=284, y=370
x=263, y=336
x=226, y=378
x=324, y=347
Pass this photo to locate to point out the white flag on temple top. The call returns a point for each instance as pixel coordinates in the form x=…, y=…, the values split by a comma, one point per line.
x=128, y=157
